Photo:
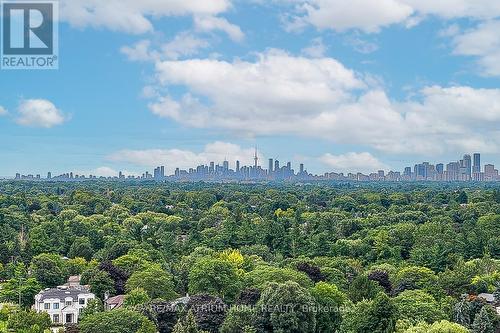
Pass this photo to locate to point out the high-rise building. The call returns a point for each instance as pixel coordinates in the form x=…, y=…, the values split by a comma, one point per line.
x=225, y=165
x=237, y=166
x=270, y=168
x=467, y=166
x=49, y=175
x=477, y=163
x=301, y=168
x=440, y=168
x=276, y=166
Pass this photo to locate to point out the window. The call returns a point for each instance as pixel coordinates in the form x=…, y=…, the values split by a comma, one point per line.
x=55, y=318
x=46, y=306
x=81, y=301
x=55, y=306
x=68, y=303
x=69, y=318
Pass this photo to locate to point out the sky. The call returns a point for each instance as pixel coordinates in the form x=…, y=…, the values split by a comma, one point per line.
x=340, y=85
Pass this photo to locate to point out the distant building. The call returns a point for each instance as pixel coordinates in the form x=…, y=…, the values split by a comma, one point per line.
x=115, y=302
x=476, y=168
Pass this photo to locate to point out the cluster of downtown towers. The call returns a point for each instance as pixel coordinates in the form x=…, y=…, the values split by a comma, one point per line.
x=469, y=168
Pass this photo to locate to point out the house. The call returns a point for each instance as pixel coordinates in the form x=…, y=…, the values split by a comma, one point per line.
x=114, y=302
x=64, y=303
x=490, y=299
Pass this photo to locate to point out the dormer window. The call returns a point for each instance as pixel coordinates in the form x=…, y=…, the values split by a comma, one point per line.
x=46, y=306
x=81, y=301
x=69, y=303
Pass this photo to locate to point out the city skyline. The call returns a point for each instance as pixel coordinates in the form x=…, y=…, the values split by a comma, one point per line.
x=330, y=86
x=469, y=168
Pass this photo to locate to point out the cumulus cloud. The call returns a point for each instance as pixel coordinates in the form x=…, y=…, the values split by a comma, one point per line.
x=3, y=111
x=319, y=97
x=39, y=113
x=133, y=16
x=482, y=42
x=317, y=49
x=353, y=162
x=182, y=45
x=341, y=15
x=212, y=23
x=371, y=16
x=216, y=152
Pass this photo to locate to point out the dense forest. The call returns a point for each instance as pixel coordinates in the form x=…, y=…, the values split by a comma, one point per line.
x=373, y=258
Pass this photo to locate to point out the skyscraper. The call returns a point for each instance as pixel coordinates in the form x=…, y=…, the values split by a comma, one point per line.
x=237, y=166
x=467, y=165
x=477, y=163
x=270, y=170
x=440, y=168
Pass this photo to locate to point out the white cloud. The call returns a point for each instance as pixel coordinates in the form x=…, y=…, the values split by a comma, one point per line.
x=211, y=23
x=171, y=158
x=3, y=111
x=370, y=16
x=341, y=15
x=450, y=9
x=362, y=46
x=317, y=49
x=105, y=171
x=182, y=45
x=39, y=113
x=283, y=94
x=482, y=42
x=133, y=16
x=140, y=51
x=353, y=162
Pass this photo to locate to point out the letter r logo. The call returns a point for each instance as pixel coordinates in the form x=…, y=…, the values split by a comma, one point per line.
x=28, y=28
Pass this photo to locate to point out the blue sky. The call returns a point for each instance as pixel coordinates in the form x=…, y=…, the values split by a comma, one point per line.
x=339, y=85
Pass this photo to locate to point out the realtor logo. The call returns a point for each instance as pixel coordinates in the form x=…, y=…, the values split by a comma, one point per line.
x=29, y=34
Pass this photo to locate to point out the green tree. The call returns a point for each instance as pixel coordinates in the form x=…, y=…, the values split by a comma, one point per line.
x=363, y=288
x=215, y=277
x=463, y=198
x=81, y=247
x=136, y=297
x=262, y=275
x=21, y=289
x=383, y=314
x=482, y=322
x=48, y=269
x=418, y=306
x=100, y=282
x=437, y=327
x=157, y=283
x=93, y=306
x=116, y=321
x=237, y=319
x=287, y=308
x=187, y=325
x=29, y=321
x=329, y=299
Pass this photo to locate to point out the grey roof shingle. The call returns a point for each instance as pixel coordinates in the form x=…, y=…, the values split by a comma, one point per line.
x=62, y=293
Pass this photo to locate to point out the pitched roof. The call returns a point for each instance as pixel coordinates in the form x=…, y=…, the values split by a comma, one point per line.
x=62, y=293
x=118, y=300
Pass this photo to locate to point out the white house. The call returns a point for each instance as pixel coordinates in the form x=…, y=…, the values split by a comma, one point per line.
x=64, y=303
